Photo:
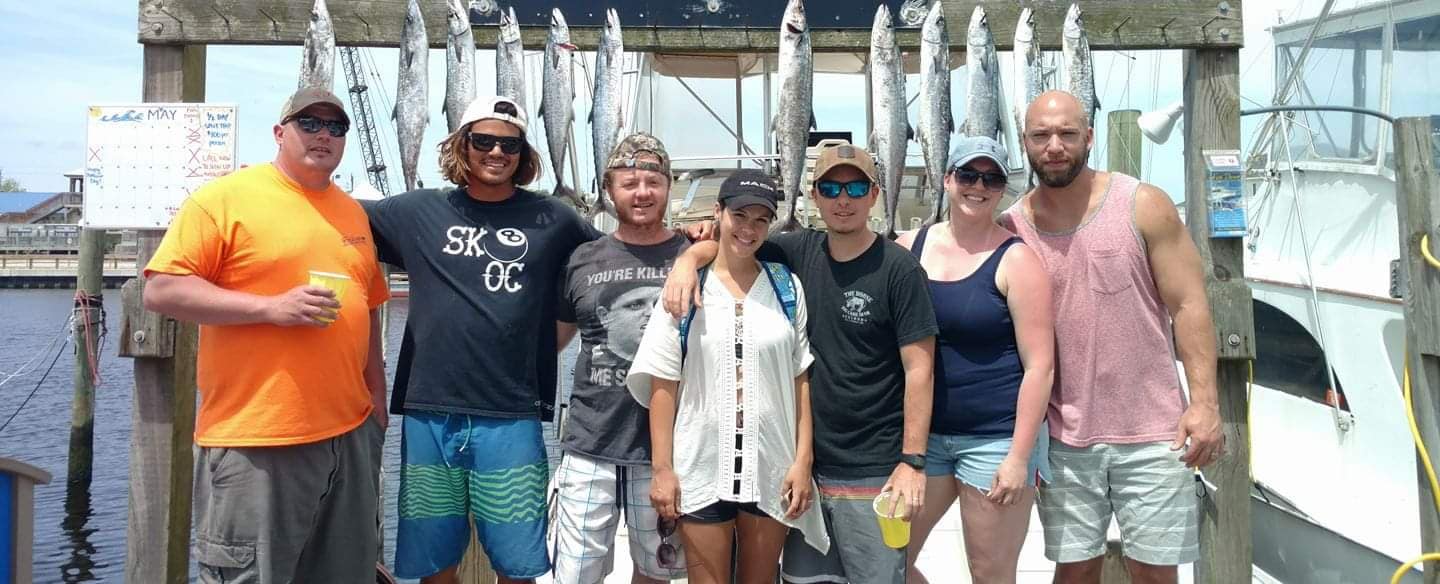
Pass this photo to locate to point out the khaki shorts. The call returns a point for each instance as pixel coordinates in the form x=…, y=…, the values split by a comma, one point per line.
x=1145, y=487
x=303, y=513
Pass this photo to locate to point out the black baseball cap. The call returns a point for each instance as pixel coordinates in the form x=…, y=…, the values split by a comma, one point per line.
x=749, y=187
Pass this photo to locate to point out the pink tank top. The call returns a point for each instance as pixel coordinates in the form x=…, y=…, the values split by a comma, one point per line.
x=1115, y=375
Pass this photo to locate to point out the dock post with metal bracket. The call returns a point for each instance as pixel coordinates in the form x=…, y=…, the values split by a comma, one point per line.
x=1417, y=188
x=1212, y=133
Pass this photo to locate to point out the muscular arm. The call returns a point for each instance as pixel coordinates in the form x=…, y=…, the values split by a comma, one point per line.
x=1180, y=279
x=195, y=299
x=681, y=289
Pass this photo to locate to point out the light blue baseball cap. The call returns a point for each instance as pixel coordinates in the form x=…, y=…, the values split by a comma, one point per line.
x=964, y=149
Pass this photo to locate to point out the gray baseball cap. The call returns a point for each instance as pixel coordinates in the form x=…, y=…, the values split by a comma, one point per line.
x=964, y=149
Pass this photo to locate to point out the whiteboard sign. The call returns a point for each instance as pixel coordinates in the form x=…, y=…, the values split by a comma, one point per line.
x=143, y=160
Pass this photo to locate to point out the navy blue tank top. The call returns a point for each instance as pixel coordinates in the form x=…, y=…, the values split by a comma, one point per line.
x=977, y=364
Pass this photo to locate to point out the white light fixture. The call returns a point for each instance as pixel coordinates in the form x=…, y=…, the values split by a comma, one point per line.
x=1158, y=124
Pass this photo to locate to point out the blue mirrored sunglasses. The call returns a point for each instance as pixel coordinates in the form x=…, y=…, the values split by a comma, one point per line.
x=831, y=189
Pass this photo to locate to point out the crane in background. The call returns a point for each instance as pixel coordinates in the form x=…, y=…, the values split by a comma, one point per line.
x=364, y=120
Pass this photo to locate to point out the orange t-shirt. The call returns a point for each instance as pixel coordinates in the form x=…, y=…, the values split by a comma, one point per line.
x=257, y=231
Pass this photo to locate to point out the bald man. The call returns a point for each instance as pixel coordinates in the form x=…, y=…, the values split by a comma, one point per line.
x=1128, y=286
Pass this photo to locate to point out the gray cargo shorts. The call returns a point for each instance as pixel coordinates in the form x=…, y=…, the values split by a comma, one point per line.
x=303, y=513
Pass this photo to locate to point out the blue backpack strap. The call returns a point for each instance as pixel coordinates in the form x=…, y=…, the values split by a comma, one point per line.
x=690, y=316
x=781, y=281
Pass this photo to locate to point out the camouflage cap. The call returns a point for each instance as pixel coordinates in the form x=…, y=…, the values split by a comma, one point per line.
x=628, y=150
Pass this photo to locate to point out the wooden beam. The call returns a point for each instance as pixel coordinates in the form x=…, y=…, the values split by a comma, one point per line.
x=1212, y=122
x=1111, y=24
x=1122, y=142
x=1417, y=188
x=163, y=412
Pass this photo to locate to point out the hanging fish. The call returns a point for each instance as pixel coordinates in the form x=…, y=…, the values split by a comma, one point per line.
x=510, y=60
x=982, y=88
x=1079, y=63
x=605, y=111
x=793, y=122
x=317, y=65
x=936, y=119
x=891, y=135
x=459, y=64
x=411, y=102
x=557, y=101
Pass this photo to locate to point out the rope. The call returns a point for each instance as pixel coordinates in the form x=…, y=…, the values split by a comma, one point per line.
x=85, y=306
x=22, y=370
x=36, y=389
x=1425, y=252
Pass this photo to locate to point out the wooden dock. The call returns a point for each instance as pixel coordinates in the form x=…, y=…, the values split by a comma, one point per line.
x=58, y=271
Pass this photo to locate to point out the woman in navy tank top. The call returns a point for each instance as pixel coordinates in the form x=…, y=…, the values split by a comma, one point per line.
x=994, y=365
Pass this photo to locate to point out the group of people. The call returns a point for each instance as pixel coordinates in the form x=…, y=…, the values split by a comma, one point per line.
x=740, y=399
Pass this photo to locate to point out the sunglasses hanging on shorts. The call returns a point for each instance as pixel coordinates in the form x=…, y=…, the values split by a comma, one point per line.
x=312, y=125
x=485, y=142
x=830, y=189
x=666, y=553
x=992, y=180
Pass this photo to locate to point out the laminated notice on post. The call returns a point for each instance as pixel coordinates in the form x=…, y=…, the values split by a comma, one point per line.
x=1224, y=182
x=142, y=160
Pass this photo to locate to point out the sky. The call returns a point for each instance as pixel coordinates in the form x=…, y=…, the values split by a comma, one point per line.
x=56, y=65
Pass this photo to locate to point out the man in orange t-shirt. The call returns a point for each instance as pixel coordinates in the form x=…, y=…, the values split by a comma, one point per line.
x=291, y=377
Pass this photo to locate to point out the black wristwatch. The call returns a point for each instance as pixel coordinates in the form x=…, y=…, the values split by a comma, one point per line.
x=916, y=461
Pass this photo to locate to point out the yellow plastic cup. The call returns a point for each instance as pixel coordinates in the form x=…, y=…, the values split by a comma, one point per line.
x=894, y=528
x=333, y=282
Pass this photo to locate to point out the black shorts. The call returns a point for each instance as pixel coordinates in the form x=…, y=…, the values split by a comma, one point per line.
x=722, y=511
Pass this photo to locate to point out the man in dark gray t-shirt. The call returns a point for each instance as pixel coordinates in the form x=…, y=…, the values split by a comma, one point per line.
x=607, y=292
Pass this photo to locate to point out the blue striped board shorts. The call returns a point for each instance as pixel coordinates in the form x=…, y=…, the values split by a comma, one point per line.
x=457, y=466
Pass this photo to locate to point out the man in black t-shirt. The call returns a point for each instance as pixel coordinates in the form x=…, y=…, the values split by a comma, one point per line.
x=484, y=261
x=607, y=293
x=872, y=331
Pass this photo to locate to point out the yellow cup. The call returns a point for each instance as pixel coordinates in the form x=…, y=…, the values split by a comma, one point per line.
x=894, y=528
x=333, y=282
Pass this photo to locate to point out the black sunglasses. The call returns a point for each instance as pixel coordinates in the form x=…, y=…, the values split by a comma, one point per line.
x=831, y=189
x=312, y=125
x=993, y=180
x=666, y=553
x=485, y=142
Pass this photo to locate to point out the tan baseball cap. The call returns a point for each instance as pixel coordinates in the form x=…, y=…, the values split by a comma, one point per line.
x=844, y=155
x=308, y=96
x=627, y=152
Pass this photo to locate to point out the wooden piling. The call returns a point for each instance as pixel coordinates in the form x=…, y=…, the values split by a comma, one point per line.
x=89, y=319
x=1212, y=122
x=1122, y=142
x=1417, y=188
x=163, y=411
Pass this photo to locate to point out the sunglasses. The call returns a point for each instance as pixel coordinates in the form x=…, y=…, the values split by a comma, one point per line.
x=666, y=553
x=312, y=125
x=485, y=142
x=993, y=181
x=831, y=189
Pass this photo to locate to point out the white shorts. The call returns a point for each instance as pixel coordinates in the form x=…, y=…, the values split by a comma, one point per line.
x=1145, y=486
x=585, y=515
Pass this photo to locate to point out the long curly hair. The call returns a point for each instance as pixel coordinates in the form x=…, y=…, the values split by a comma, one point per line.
x=455, y=159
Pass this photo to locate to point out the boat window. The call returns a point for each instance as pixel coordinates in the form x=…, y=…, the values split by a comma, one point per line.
x=1347, y=69
x=1288, y=358
x=1340, y=70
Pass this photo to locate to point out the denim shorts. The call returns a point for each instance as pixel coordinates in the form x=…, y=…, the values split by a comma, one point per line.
x=973, y=460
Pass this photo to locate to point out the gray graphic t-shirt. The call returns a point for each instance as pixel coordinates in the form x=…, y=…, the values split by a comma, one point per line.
x=608, y=290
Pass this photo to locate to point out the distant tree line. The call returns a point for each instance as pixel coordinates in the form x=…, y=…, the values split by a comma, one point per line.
x=9, y=185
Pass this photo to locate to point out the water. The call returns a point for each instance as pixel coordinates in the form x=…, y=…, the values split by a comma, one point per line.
x=80, y=536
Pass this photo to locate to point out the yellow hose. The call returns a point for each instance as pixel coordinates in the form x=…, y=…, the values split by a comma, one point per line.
x=1425, y=252
x=1415, y=433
